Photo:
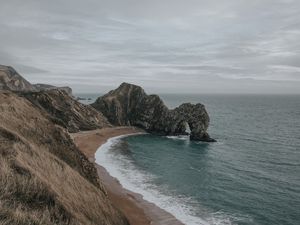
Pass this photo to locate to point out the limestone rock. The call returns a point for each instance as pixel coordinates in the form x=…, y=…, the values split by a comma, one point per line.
x=197, y=119
x=129, y=105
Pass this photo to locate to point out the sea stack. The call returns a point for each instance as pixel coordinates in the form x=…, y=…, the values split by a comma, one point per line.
x=129, y=105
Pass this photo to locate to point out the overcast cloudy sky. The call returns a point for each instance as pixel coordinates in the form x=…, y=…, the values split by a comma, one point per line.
x=215, y=46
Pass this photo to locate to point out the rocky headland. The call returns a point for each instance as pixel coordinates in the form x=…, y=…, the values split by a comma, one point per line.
x=64, y=110
x=46, y=87
x=11, y=80
x=129, y=105
x=44, y=176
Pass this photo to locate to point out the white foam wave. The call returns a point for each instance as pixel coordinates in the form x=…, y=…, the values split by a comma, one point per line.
x=179, y=137
x=139, y=181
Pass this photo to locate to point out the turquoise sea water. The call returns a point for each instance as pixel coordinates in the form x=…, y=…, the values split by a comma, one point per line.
x=250, y=176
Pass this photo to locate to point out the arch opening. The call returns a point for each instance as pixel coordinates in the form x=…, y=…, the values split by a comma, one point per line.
x=187, y=128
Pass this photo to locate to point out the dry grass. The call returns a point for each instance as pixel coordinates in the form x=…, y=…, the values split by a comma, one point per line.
x=44, y=179
x=26, y=200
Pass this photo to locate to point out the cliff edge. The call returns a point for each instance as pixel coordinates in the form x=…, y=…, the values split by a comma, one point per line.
x=64, y=110
x=11, y=80
x=44, y=178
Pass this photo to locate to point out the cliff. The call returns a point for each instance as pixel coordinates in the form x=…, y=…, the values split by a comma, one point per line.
x=47, y=87
x=130, y=105
x=11, y=80
x=44, y=178
x=64, y=110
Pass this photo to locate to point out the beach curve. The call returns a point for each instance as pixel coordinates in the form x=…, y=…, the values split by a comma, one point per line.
x=137, y=210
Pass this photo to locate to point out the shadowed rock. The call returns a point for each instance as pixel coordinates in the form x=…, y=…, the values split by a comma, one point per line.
x=129, y=105
x=46, y=87
x=197, y=119
x=64, y=110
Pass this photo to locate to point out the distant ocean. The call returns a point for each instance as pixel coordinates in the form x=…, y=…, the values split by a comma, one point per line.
x=250, y=176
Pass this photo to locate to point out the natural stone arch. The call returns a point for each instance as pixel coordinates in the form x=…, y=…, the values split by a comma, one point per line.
x=130, y=105
x=187, y=128
x=197, y=118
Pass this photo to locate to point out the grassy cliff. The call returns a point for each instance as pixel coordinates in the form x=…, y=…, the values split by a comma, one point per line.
x=44, y=178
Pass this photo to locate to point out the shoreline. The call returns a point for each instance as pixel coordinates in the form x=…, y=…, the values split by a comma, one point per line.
x=137, y=210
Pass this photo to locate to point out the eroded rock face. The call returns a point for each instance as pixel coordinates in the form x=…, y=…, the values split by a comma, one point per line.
x=47, y=87
x=64, y=110
x=130, y=105
x=11, y=80
x=198, y=120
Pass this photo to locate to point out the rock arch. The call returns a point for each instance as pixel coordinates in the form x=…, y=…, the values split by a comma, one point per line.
x=130, y=105
x=197, y=118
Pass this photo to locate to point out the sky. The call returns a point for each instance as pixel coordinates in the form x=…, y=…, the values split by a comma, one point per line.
x=166, y=46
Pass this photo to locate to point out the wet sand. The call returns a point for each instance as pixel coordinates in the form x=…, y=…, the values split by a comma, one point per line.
x=137, y=210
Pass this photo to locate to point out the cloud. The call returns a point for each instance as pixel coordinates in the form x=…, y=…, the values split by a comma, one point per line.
x=170, y=45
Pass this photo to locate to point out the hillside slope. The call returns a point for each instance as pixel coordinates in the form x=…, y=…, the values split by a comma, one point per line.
x=64, y=110
x=44, y=178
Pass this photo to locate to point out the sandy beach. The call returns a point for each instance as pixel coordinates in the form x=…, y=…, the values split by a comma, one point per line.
x=137, y=210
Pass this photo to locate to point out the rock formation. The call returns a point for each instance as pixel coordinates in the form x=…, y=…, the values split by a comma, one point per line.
x=64, y=110
x=57, y=103
x=197, y=119
x=46, y=87
x=127, y=105
x=130, y=105
x=44, y=178
x=11, y=80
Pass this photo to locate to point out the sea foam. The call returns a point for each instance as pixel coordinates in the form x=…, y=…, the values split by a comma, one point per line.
x=139, y=181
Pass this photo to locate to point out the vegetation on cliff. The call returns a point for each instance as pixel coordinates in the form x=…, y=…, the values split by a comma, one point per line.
x=44, y=178
x=64, y=110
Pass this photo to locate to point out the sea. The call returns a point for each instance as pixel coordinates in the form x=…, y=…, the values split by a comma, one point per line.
x=251, y=175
